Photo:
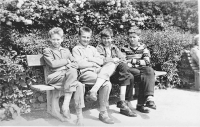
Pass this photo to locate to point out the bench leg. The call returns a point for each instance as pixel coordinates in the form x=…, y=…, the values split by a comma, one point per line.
x=53, y=107
x=197, y=82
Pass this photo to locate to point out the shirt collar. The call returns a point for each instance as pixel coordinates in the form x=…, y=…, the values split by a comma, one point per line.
x=82, y=47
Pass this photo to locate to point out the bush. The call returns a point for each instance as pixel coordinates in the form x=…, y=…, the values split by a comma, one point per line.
x=166, y=48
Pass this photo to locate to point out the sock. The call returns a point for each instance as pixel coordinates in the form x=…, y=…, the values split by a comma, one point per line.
x=97, y=85
x=104, y=113
x=122, y=93
x=130, y=105
x=66, y=101
x=79, y=113
x=150, y=98
x=140, y=104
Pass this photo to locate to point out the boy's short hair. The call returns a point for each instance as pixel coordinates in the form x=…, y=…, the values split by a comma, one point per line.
x=56, y=30
x=134, y=30
x=84, y=29
x=107, y=32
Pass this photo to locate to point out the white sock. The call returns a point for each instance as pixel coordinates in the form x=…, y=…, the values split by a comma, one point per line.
x=122, y=93
x=67, y=99
x=150, y=98
x=97, y=85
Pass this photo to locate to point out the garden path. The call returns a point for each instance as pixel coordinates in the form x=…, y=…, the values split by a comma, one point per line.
x=175, y=107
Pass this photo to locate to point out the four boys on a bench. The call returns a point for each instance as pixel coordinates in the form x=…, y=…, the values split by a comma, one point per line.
x=99, y=67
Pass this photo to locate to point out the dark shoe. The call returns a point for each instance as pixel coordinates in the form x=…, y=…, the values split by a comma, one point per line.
x=142, y=109
x=128, y=113
x=91, y=96
x=105, y=119
x=151, y=104
x=122, y=105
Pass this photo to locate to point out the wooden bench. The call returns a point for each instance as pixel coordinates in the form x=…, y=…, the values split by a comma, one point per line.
x=53, y=94
x=195, y=68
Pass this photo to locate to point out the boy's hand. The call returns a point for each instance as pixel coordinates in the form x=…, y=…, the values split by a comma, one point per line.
x=72, y=65
x=116, y=59
x=95, y=65
x=90, y=59
x=108, y=59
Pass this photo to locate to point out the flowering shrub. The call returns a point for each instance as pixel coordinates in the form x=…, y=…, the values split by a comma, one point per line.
x=70, y=14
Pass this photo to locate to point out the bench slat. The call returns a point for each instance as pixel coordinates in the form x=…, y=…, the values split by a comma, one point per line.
x=35, y=60
x=159, y=73
x=42, y=87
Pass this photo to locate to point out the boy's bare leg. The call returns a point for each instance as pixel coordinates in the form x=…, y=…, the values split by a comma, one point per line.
x=65, y=106
x=95, y=88
x=79, y=114
x=79, y=103
x=122, y=93
x=103, y=76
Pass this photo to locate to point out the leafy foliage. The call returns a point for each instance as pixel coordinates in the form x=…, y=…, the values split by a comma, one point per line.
x=166, y=50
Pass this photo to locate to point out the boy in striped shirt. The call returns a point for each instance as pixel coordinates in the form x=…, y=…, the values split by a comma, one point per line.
x=138, y=59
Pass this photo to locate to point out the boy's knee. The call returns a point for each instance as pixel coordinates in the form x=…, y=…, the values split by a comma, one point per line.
x=73, y=71
x=122, y=67
x=107, y=84
x=81, y=85
x=149, y=71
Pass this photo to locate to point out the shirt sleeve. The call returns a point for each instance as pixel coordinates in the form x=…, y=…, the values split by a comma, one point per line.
x=54, y=63
x=98, y=59
x=82, y=63
x=120, y=55
x=145, y=60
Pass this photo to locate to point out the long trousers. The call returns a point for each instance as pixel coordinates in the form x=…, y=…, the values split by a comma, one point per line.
x=123, y=77
x=146, y=78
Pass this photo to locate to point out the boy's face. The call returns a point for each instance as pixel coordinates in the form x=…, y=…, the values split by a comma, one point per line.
x=107, y=41
x=56, y=40
x=85, y=38
x=133, y=39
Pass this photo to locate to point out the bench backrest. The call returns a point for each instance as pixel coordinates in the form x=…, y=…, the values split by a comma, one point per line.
x=37, y=60
x=191, y=61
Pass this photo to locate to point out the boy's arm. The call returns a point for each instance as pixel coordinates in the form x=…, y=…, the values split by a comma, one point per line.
x=120, y=55
x=48, y=57
x=71, y=58
x=144, y=61
x=97, y=58
x=82, y=63
x=100, y=50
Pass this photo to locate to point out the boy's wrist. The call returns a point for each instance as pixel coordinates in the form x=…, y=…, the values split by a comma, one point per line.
x=133, y=61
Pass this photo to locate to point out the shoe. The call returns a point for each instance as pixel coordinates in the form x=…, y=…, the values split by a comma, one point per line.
x=142, y=109
x=128, y=112
x=122, y=105
x=66, y=113
x=92, y=96
x=151, y=104
x=104, y=118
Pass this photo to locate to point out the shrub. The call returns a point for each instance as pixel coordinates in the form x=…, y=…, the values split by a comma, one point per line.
x=166, y=49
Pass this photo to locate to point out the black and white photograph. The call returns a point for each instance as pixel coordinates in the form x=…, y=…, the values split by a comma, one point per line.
x=99, y=63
